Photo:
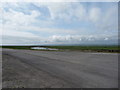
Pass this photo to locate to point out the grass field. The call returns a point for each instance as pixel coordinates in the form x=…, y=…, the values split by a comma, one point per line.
x=18, y=47
x=73, y=48
x=89, y=48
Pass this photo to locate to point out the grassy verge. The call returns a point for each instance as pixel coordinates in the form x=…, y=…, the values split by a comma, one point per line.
x=73, y=48
x=88, y=48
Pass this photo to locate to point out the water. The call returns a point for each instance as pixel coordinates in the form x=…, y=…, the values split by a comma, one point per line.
x=43, y=48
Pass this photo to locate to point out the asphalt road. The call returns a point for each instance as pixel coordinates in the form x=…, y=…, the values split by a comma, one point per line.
x=50, y=69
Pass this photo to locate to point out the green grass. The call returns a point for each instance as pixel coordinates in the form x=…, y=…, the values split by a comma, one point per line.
x=85, y=47
x=88, y=48
x=73, y=48
x=17, y=47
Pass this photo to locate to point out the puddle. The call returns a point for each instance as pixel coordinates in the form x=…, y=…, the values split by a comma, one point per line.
x=43, y=48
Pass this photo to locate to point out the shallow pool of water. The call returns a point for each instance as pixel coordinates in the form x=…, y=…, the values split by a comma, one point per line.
x=43, y=48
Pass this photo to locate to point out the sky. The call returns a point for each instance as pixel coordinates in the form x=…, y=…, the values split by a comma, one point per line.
x=46, y=23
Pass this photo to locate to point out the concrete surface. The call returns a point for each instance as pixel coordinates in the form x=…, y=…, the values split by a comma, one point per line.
x=50, y=69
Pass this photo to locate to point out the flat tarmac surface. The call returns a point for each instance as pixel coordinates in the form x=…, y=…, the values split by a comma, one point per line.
x=59, y=69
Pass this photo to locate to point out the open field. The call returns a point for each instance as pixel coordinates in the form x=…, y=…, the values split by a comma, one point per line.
x=17, y=47
x=88, y=48
x=73, y=48
x=59, y=69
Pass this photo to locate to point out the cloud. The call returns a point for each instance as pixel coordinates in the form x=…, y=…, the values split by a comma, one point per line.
x=77, y=12
x=104, y=20
x=16, y=40
x=18, y=33
x=59, y=39
x=65, y=11
x=18, y=18
x=95, y=14
x=58, y=22
x=13, y=21
x=61, y=1
x=79, y=38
